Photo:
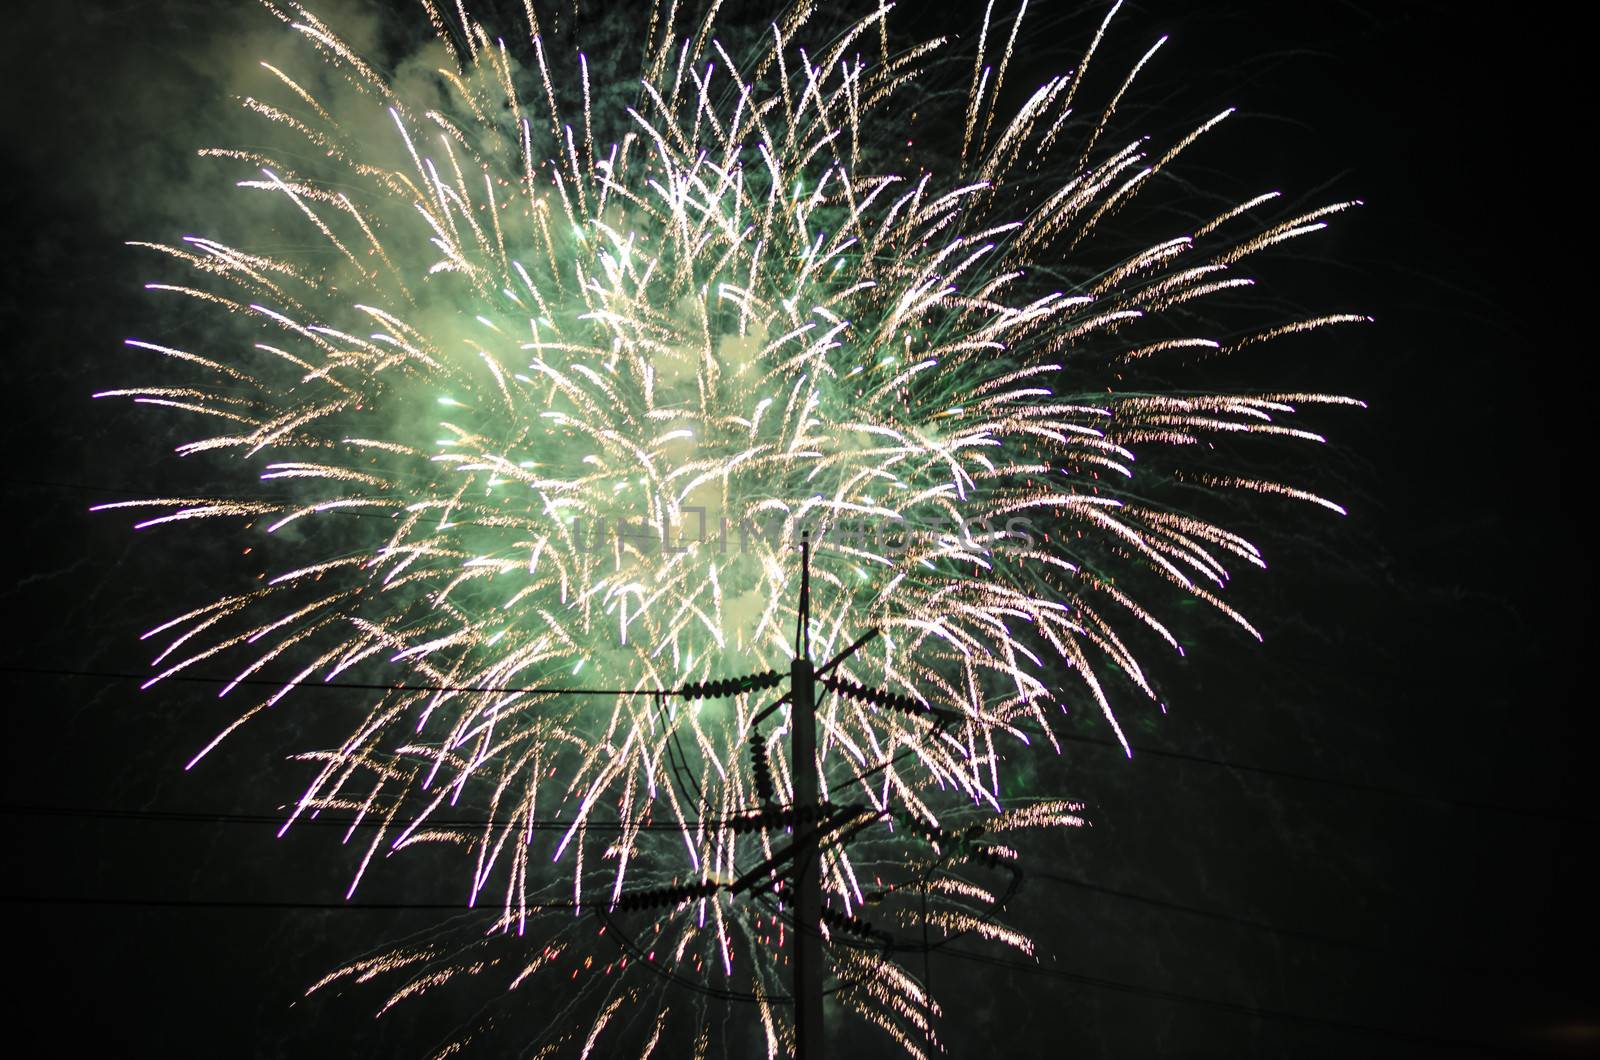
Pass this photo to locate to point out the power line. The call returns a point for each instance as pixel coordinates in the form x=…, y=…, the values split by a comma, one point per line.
x=1377, y=789
x=348, y=686
x=369, y=821
x=1253, y=1011
x=259, y=903
x=1338, y=782
x=375, y=821
x=1163, y=903
x=1547, y=813
x=1257, y=925
x=804, y=987
x=1097, y=982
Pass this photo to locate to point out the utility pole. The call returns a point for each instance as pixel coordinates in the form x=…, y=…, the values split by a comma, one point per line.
x=801, y=861
x=806, y=871
x=808, y=816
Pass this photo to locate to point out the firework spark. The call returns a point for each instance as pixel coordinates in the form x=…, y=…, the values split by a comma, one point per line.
x=573, y=363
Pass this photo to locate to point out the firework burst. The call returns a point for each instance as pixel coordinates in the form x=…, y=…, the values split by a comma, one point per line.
x=574, y=363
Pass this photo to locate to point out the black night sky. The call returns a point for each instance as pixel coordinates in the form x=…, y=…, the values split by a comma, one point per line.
x=1364, y=837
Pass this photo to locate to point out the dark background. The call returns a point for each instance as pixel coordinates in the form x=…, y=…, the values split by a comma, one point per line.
x=1365, y=837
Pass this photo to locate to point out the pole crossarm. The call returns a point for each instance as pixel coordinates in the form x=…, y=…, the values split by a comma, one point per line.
x=838, y=818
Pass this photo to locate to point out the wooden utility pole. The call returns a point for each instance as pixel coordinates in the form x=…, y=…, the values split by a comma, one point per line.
x=805, y=879
x=805, y=815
